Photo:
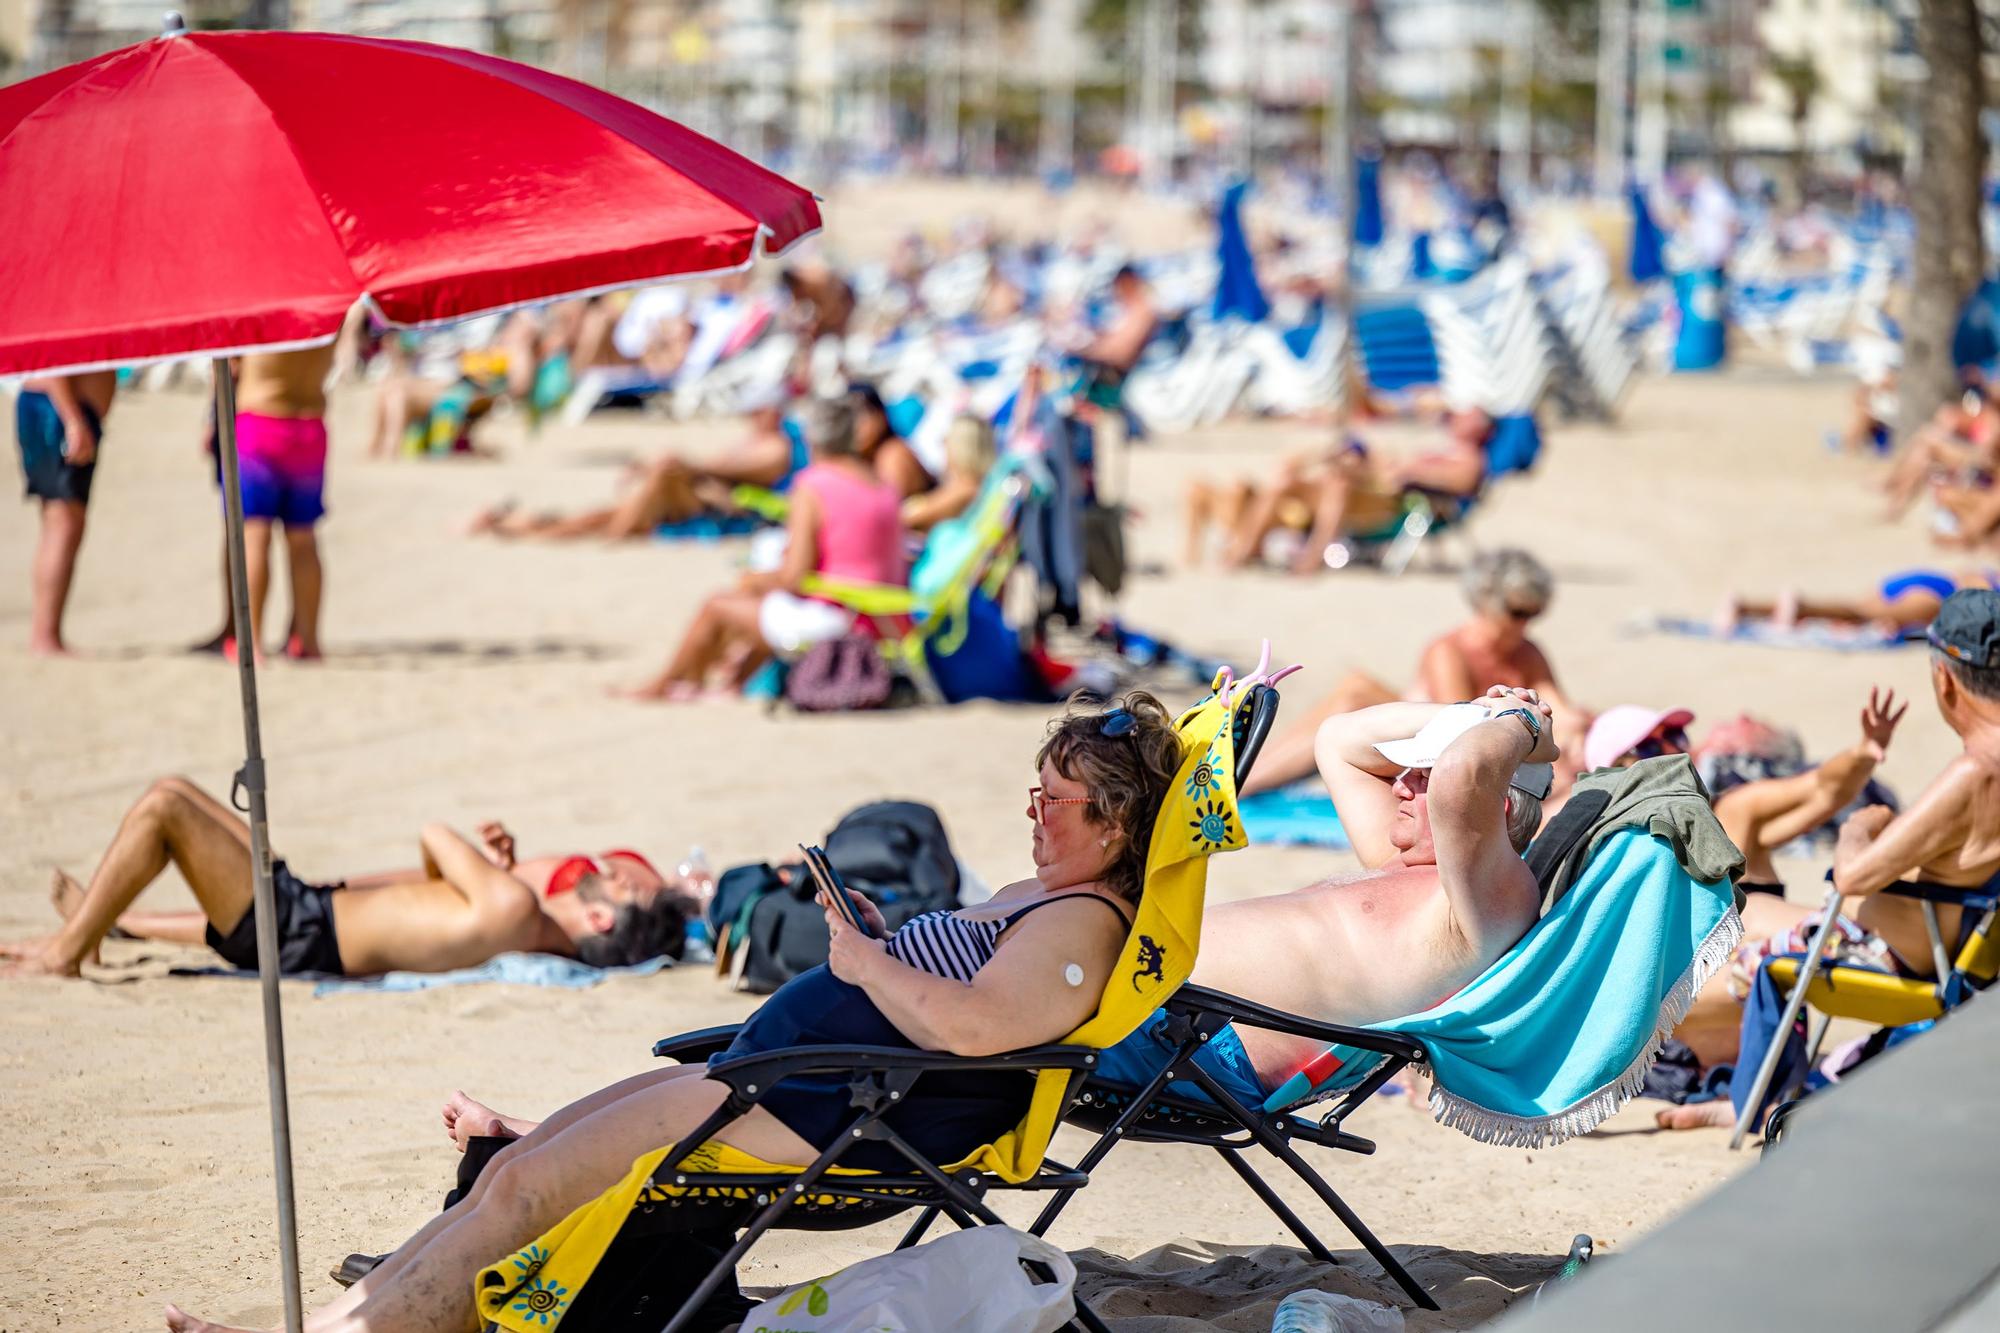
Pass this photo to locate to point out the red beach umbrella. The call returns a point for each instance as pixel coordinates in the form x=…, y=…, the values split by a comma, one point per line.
x=217, y=193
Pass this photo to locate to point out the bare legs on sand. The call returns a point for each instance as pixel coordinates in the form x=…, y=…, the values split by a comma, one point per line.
x=55, y=566
x=724, y=637
x=174, y=822
x=557, y=1166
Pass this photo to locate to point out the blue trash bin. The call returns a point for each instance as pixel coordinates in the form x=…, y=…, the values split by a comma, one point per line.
x=1703, y=340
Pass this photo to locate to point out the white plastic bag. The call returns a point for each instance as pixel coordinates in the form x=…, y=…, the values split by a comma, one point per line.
x=1331, y=1312
x=969, y=1282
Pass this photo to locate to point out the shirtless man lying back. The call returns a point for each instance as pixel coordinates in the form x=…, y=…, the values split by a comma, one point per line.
x=466, y=905
x=1439, y=800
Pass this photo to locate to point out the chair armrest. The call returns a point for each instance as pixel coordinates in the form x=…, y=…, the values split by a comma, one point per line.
x=867, y=599
x=747, y=1074
x=1984, y=898
x=1191, y=1000
x=1263, y=712
x=692, y=1046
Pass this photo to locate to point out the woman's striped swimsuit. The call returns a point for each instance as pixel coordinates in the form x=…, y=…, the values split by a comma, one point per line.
x=944, y=944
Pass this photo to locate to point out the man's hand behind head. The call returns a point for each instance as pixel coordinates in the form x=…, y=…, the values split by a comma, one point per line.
x=497, y=844
x=1503, y=697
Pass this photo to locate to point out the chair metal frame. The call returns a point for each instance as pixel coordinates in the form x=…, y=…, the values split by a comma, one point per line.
x=879, y=1078
x=1953, y=985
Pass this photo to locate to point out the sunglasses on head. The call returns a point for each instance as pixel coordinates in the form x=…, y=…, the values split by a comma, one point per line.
x=1674, y=740
x=1117, y=722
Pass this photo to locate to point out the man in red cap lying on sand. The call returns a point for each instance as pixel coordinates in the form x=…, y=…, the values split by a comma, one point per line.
x=466, y=904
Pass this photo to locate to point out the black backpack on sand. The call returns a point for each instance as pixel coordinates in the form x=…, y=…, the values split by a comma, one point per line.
x=768, y=928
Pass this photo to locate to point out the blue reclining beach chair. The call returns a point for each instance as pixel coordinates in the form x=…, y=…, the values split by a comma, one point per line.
x=1514, y=446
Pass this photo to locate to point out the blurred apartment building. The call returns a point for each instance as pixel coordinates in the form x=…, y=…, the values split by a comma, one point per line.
x=943, y=78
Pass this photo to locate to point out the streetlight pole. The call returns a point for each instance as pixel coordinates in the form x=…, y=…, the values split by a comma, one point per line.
x=1517, y=126
x=1614, y=68
x=1651, y=59
x=1339, y=144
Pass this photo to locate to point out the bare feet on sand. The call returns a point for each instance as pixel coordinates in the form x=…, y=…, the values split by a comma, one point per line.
x=1727, y=616
x=180, y=1321
x=66, y=895
x=489, y=519
x=1698, y=1115
x=34, y=958
x=466, y=1119
x=675, y=692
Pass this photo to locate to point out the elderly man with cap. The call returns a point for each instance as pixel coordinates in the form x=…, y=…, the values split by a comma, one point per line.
x=1439, y=800
x=1949, y=835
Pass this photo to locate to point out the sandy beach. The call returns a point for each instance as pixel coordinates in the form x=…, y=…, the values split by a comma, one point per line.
x=466, y=679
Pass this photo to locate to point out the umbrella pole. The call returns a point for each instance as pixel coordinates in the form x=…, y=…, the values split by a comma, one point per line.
x=250, y=781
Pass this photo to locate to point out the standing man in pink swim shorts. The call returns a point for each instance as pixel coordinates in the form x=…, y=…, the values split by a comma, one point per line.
x=281, y=446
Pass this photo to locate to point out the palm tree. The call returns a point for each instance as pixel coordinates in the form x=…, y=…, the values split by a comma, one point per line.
x=1800, y=78
x=1945, y=200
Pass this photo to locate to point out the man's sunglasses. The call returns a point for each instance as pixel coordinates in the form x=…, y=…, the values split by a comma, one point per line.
x=1674, y=740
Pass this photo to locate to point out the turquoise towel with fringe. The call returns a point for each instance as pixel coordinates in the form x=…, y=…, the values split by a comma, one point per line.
x=1558, y=1034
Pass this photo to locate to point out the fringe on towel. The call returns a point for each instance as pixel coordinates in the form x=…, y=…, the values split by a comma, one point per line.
x=1512, y=1131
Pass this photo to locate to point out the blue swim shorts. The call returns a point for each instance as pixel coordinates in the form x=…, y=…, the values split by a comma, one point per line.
x=1133, y=1061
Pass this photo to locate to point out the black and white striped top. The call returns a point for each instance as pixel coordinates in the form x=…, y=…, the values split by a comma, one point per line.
x=947, y=945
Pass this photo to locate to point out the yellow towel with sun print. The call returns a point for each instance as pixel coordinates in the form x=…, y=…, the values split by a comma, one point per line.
x=528, y=1291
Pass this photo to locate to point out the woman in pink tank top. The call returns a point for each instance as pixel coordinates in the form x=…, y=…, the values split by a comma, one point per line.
x=845, y=524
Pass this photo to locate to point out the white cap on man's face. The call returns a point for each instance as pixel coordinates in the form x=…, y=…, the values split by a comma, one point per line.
x=1425, y=748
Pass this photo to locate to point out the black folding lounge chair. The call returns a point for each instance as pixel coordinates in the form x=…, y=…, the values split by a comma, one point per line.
x=1155, y=1114
x=624, y=1290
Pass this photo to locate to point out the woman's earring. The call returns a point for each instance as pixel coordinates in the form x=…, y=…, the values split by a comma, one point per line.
x=1104, y=842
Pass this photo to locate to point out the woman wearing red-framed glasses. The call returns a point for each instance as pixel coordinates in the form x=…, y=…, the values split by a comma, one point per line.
x=997, y=977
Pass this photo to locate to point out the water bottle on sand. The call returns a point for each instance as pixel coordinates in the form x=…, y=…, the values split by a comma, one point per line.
x=697, y=886
x=695, y=875
x=1330, y=1312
